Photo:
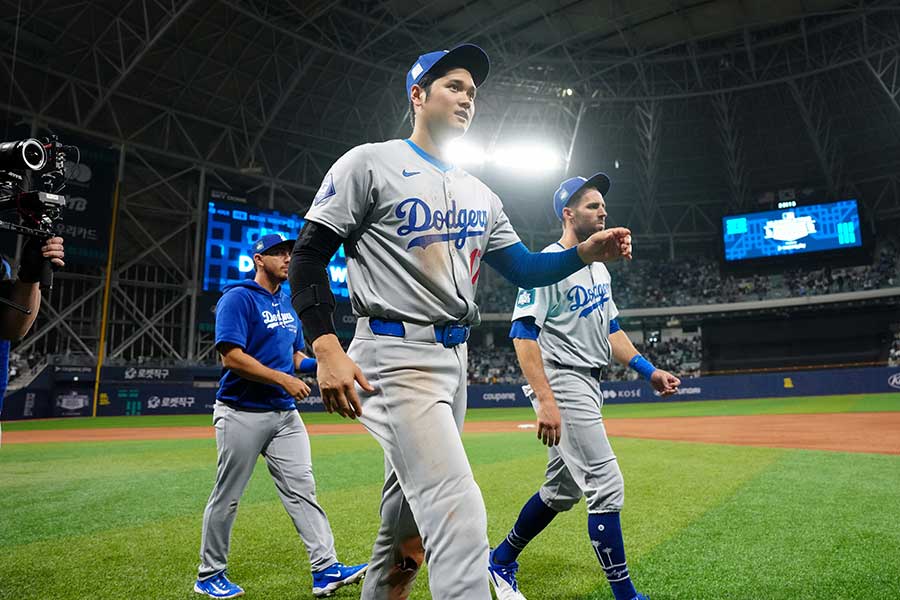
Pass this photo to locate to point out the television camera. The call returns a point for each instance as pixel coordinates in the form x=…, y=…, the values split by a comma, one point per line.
x=33, y=172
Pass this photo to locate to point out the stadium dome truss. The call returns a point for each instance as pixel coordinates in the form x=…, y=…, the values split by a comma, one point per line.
x=694, y=107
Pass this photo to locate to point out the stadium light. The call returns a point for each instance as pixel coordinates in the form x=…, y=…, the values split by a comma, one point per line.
x=534, y=159
x=465, y=154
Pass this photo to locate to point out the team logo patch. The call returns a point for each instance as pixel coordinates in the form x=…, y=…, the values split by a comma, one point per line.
x=587, y=300
x=525, y=298
x=278, y=319
x=326, y=191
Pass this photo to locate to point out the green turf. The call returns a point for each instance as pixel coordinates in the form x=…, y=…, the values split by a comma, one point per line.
x=812, y=525
x=770, y=406
x=122, y=520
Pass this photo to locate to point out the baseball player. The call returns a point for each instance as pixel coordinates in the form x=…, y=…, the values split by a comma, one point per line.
x=259, y=337
x=564, y=334
x=415, y=230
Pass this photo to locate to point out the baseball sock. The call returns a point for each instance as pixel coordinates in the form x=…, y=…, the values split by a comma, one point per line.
x=605, y=530
x=535, y=516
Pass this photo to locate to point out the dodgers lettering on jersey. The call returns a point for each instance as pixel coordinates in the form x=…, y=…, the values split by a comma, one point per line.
x=459, y=223
x=587, y=300
x=418, y=229
x=573, y=315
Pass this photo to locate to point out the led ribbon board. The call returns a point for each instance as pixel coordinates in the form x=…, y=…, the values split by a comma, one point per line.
x=230, y=230
x=793, y=230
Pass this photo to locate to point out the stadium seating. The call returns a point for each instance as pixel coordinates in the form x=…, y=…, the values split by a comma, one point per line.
x=692, y=281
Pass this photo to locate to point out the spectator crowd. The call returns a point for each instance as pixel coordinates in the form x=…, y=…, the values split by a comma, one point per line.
x=693, y=281
x=680, y=356
x=651, y=284
x=894, y=353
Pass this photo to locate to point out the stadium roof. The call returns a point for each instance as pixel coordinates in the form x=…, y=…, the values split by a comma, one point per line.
x=796, y=92
x=694, y=107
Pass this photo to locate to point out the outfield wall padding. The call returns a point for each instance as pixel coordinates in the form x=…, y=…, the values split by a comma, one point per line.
x=68, y=391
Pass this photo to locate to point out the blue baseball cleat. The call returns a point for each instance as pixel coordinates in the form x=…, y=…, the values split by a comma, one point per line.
x=640, y=597
x=218, y=586
x=503, y=578
x=326, y=581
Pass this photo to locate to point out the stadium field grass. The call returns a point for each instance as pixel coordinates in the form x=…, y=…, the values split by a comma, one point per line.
x=702, y=521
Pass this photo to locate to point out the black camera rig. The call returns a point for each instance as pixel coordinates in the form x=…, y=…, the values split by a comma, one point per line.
x=33, y=172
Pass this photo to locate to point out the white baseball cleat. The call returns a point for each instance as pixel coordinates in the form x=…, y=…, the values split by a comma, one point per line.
x=503, y=578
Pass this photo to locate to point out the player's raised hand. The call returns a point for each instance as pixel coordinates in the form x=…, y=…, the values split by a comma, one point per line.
x=606, y=246
x=338, y=375
x=549, y=423
x=664, y=382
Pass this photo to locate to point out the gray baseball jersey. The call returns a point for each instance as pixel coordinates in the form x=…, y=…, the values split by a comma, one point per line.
x=573, y=315
x=417, y=231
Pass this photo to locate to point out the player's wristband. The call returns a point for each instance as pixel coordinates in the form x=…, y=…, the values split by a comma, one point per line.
x=308, y=365
x=643, y=366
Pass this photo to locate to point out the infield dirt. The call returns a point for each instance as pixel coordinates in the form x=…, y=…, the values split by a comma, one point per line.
x=847, y=432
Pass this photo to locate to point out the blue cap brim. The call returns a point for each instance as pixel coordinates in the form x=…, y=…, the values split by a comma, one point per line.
x=289, y=243
x=471, y=58
x=599, y=181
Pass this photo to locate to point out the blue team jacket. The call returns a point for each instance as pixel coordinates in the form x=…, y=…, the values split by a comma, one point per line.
x=267, y=328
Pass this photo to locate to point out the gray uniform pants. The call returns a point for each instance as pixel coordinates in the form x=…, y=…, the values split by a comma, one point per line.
x=241, y=436
x=583, y=464
x=416, y=414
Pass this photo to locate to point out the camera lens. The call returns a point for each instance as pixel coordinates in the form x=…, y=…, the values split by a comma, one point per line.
x=34, y=155
x=26, y=154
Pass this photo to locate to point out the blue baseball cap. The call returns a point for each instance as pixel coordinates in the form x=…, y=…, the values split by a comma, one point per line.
x=570, y=187
x=468, y=56
x=267, y=242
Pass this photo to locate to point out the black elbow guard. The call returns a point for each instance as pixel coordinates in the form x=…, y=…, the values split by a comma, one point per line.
x=311, y=294
x=318, y=320
x=315, y=307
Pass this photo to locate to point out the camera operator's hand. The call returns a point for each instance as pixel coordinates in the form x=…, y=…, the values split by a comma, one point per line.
x=34, y=252
x=54, y=250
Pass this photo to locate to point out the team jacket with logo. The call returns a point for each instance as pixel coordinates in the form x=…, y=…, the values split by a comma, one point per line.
x=417, y=230
x=266, y=327
x=573, y=315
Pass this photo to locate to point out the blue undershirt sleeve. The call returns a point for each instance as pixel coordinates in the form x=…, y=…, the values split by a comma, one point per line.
x=524, y=329
x=533, y=269
x=614, y=326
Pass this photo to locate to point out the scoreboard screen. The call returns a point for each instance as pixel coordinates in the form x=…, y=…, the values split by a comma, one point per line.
x=792, y=230
x=231, y=228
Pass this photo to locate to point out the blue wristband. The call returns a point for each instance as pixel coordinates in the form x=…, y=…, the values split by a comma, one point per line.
x=642, y=366
x=308, y=365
